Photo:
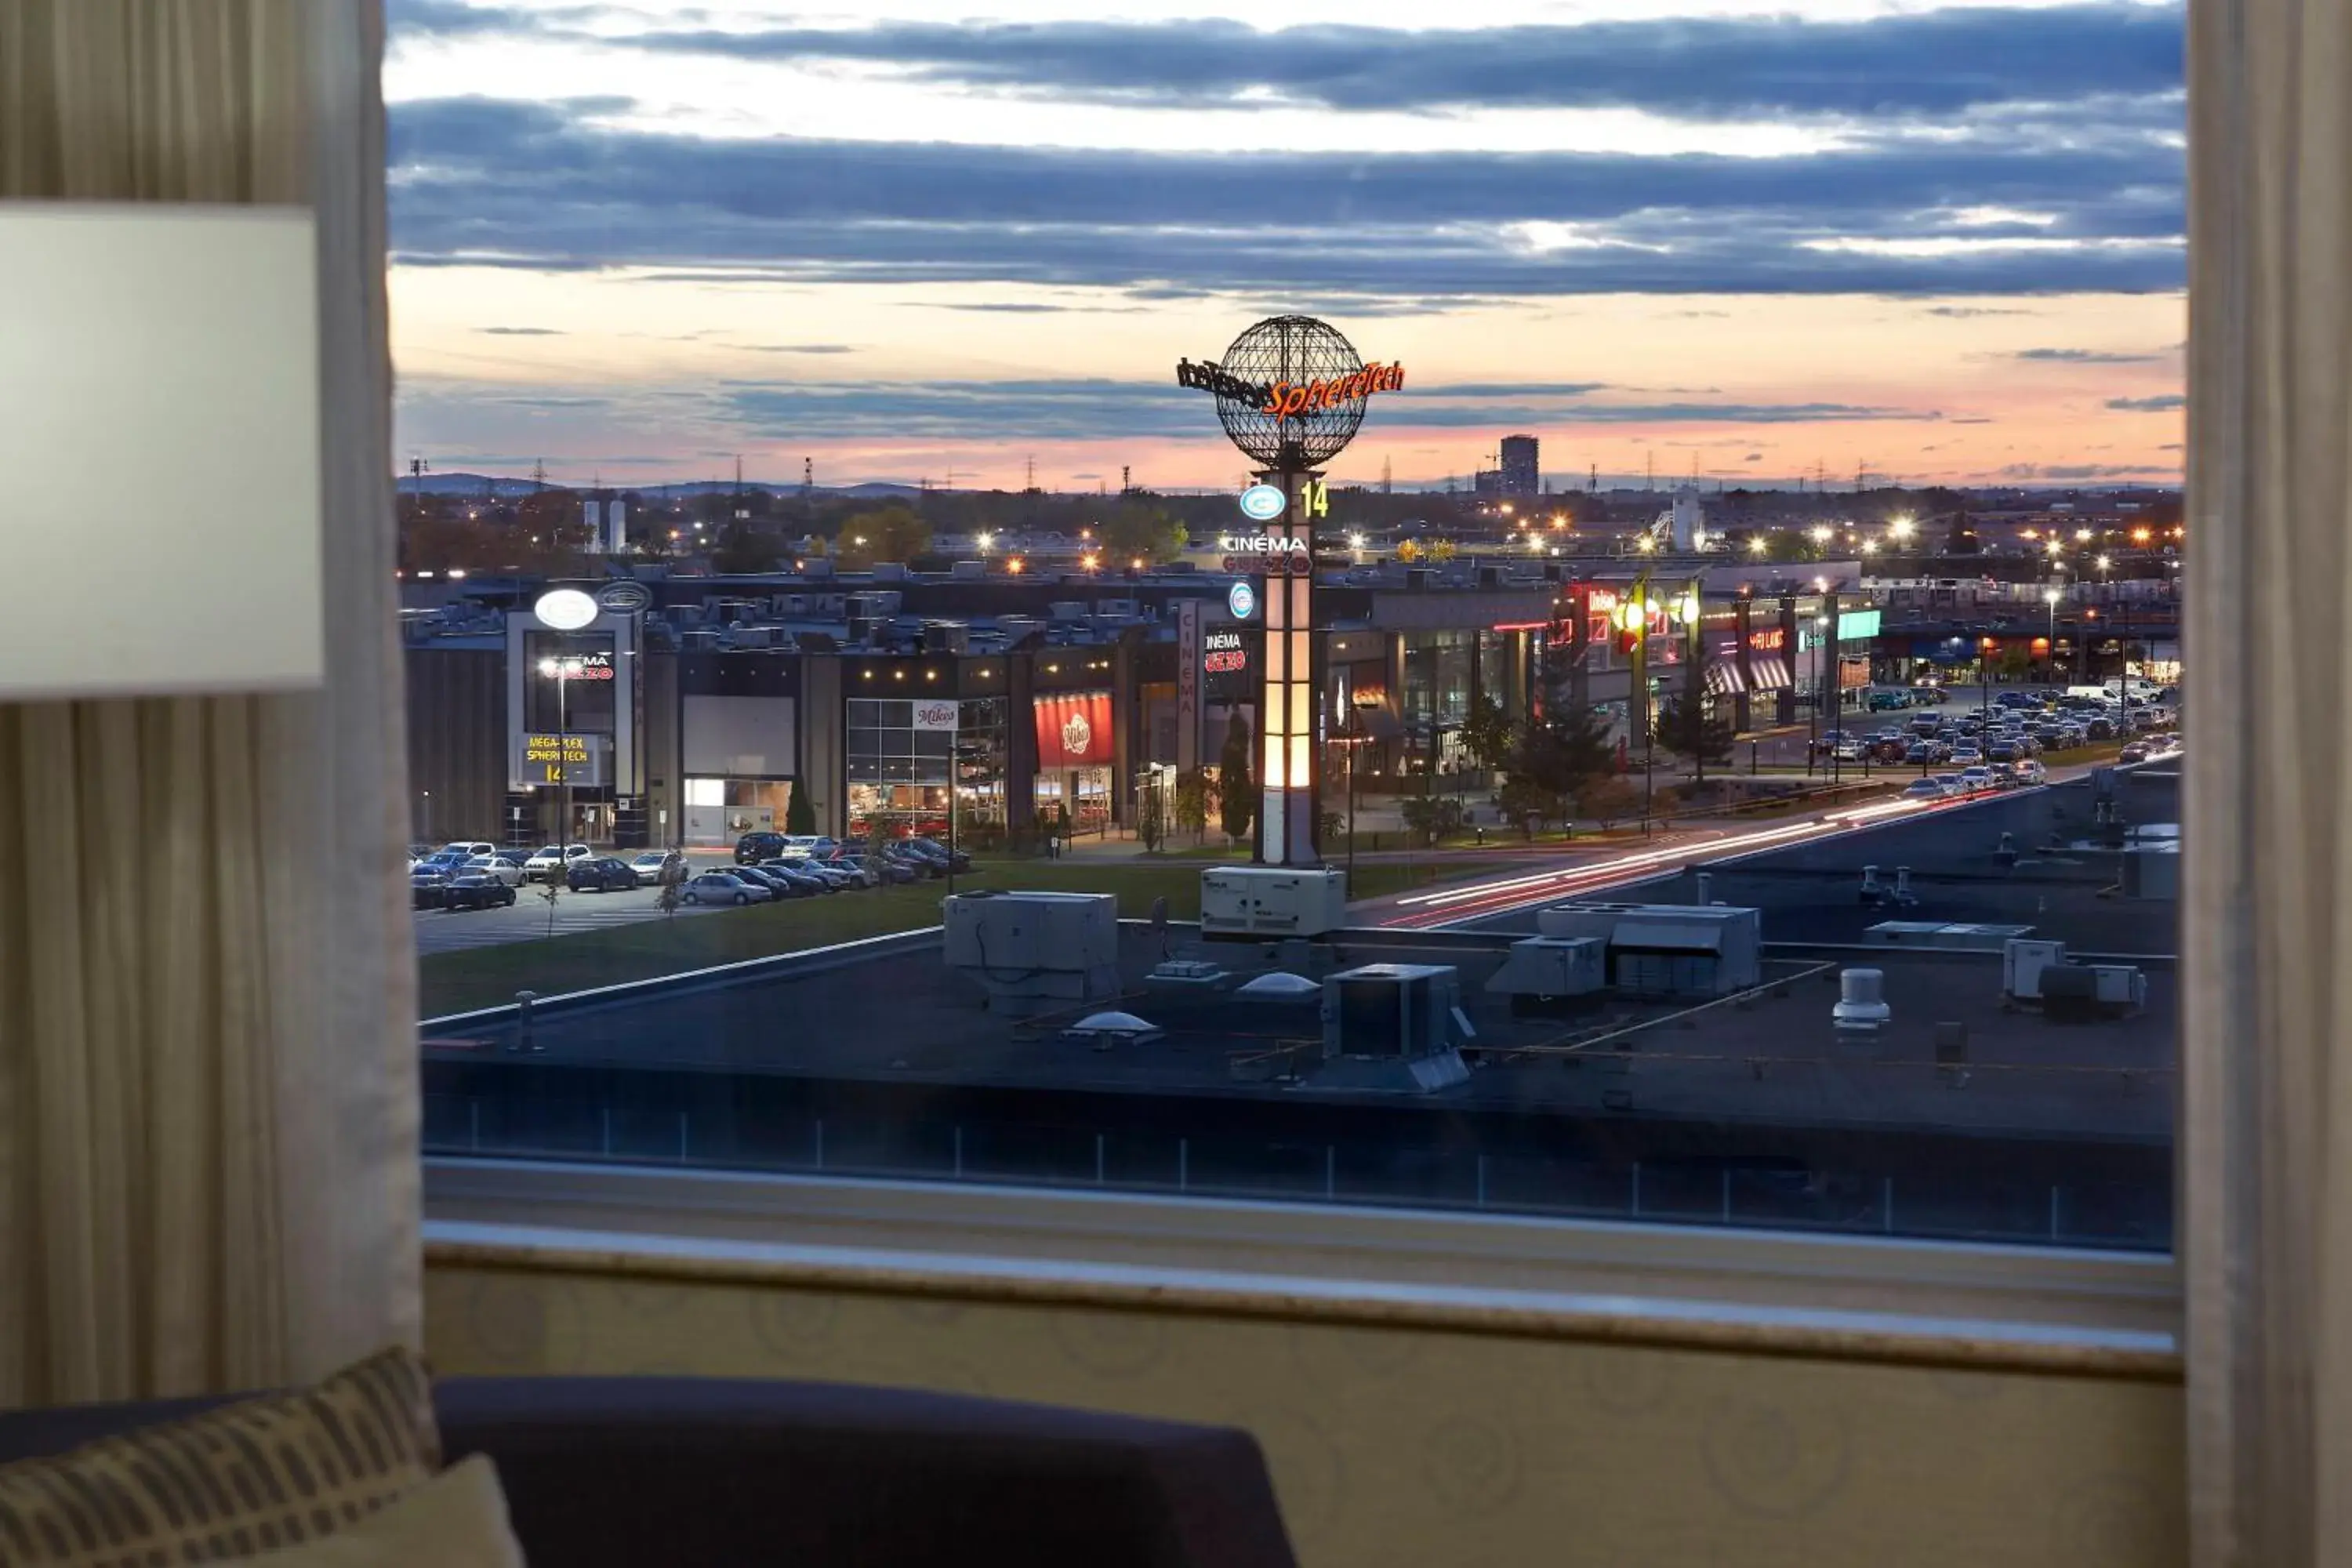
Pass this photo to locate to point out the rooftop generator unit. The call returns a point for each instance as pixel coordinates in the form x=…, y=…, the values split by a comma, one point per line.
x=1272, y=901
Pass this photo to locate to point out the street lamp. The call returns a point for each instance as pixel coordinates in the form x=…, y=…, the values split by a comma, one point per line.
x=1820, y=532
x=2051, y=597
x=1758, y=545
x=1901, y=528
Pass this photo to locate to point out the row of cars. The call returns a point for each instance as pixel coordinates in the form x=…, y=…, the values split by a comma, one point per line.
x=469, y=874
x=774, y=866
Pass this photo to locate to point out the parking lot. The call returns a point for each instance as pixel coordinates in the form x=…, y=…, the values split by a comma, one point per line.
x=453, y=931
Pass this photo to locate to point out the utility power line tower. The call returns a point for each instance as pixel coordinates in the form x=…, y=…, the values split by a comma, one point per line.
x=538, y=475
x=416, y=471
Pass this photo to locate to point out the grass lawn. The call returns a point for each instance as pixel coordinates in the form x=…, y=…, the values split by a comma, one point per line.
x=487, y=976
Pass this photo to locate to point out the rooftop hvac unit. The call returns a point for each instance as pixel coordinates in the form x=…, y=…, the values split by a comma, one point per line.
x=1861, y=1006
x=889, y=572
x=1668, y=950
x=2023, y=964
x=1066, y=610
x=1261, y=901
x=1946, y=935
x=2152, y=872
x=1391, y=1010
x=791, y=604
x=946, y=636
x=748, y=636
x=1029, y=951
x=968, y=571
x=1552, y=973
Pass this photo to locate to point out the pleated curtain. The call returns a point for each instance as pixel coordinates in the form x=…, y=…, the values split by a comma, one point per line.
x=207, y=1074
x=2266, y=1135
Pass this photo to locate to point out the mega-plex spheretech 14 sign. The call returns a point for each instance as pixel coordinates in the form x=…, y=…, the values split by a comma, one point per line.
x=1290, y=400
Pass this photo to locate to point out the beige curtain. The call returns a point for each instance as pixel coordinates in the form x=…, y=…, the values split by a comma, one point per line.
x=2266, y=1181
x=207, y=1094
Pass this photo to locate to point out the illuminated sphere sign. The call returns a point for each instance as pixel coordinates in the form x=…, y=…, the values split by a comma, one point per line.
x=1290, y=391
x=565, y=609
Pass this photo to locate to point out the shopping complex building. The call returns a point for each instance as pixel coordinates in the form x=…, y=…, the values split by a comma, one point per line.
x=696, y=705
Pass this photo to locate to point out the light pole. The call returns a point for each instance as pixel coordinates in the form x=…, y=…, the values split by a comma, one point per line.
x=2051, y=597
x=560, y=671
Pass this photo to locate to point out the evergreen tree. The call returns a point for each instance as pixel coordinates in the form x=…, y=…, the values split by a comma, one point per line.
x=1689, y=730
x=1236, y=793
x=800, y=817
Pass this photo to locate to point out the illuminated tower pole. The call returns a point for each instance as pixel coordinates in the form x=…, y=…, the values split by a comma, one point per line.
x=1290, y=393
x=1287, y=793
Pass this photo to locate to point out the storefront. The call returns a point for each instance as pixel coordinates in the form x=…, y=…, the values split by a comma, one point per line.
x=900, y=757
x=739, y=754
x=1074, y=758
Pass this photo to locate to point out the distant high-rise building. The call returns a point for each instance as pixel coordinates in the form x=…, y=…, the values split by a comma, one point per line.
x=1522, y=474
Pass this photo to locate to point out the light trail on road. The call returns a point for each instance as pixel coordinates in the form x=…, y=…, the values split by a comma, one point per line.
x=1473, y=901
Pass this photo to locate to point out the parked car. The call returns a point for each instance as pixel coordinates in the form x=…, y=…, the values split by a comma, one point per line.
x=886, y=869
x=648, y=864
x=809, y=873
x=754, y=848
x=428, y=886
x=770, y=878
x=599, y=874
x=1967, y=756
x=550, y=861
x=468, y=848
x=499, y=868
x=835, y=877
x=2002, y=751
x=938, y=851
x=474, y=890
x=719, y=887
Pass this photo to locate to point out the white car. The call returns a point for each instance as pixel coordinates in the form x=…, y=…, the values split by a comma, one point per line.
x=1973, y=780
x=549, y=864
x=469, y=848
x=502, y=868
x=1926, y=789
x=648, y=864
x=2030, y=772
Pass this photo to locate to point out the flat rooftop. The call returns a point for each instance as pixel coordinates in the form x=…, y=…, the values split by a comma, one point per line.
x=902, y=1017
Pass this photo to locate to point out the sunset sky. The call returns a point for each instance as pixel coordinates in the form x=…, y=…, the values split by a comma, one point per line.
x=635, y=241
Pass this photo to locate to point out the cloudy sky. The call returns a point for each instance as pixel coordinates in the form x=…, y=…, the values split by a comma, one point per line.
x=949, y=236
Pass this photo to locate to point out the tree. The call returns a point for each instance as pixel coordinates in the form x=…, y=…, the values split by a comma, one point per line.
x=894, y=532
x=1556, y=756
x=800, y=817
x=1151, y=819
x=1689, y=730
x=1488, y=734
x=1237, y=797
x=1607, y=799
x=1196, y=797
x=1141, y=531
x=743, y=550
x=2016, y=663
x=1788, y=544
x=1431, y=817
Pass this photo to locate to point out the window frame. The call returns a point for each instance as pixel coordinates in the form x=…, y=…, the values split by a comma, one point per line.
x=1993, y=1303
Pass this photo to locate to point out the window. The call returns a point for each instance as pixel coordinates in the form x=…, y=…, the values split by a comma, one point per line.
x=1732, y=650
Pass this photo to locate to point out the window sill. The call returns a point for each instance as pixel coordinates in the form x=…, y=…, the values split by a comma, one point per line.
x=1913, y=1303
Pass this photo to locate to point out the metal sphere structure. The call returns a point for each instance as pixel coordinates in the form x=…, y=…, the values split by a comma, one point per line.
x=1290, y=351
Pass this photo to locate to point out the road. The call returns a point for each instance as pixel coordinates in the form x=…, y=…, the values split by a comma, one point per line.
x=1595, y=873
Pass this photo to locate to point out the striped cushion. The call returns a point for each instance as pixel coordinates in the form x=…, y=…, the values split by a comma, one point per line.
x=243, y=1479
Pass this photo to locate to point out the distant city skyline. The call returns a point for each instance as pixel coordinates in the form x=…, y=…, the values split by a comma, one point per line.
x=1942, y=243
